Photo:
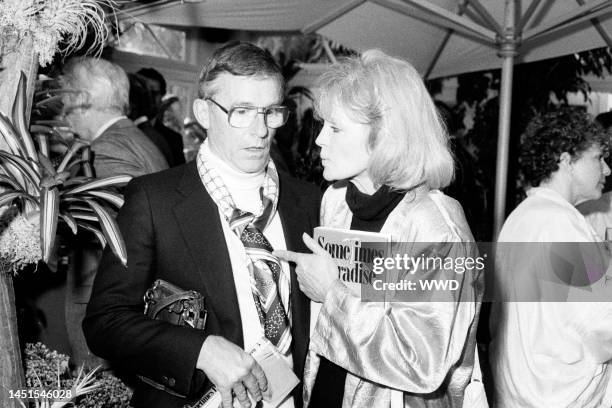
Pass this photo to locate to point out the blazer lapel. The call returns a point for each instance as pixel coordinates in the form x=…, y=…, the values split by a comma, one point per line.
x=198, y=219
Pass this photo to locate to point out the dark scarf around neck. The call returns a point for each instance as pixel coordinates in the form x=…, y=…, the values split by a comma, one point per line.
x=373, y=207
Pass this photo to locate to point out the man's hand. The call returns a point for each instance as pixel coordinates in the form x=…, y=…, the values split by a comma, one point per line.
x=315, y=272
x=231, y=369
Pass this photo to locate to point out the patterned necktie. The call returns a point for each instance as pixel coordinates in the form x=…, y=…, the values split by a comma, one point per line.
x=265, y=271
x=270, y=285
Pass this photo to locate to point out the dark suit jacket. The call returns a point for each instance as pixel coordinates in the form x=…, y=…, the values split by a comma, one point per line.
x=124, y=149
x=159, y=140
x=173, y=232
x=174, y=140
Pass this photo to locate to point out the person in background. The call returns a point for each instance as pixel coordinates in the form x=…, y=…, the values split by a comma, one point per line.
x=171, y=112
x=383, y=141
x=551, y=352
x=599, y=212
x=193, y=136
x=97, y=113
x=158, y=88
x=210, y=226
x=141, y=109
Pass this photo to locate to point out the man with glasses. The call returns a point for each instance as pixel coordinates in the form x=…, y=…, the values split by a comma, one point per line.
x=97, y=111
x=211, y=226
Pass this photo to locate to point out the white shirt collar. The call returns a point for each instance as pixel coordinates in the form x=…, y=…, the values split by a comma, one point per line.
x=108, y=124
x=140, y=120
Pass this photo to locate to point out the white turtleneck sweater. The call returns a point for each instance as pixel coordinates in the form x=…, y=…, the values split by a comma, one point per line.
x=244, y=188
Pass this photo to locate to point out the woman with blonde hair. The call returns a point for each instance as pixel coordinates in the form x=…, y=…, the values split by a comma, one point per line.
x=384, y=144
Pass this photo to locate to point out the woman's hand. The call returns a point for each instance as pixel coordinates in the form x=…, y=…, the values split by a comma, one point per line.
x=316, y=272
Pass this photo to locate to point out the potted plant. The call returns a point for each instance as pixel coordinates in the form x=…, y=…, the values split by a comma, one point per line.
x=31, y=33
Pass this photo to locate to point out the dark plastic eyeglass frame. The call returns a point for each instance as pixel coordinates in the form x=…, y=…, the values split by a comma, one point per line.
x=263, y=111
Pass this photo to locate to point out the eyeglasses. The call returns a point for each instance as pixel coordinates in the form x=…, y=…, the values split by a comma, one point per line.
x=71, y=109
x=244, y=116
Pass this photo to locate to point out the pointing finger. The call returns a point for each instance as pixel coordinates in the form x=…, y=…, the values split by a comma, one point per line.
x=287, y=255
x=313, y=246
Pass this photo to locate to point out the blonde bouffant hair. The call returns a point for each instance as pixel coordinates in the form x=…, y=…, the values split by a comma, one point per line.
x=409, y=145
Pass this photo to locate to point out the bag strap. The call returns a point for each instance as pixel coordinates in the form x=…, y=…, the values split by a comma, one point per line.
x=161, y=304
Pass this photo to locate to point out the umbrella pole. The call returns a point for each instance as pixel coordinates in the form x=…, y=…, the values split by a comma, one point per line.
x=507, y=47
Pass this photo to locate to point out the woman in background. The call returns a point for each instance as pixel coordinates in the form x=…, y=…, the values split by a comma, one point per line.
x=383, y=141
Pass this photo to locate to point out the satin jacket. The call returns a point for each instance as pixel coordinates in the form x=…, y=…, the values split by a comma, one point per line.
x=408, y=354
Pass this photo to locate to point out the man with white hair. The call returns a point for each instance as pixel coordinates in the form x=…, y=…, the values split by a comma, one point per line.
x=97, y=113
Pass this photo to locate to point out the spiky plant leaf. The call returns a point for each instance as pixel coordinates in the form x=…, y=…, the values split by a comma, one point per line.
x=70, y=221
x=76, y=146
x=10, y=196
x=110, y=229
x=99, y=235
x=78, y=180
x=10, y=182
x=86, y=156
x=96, y=184
x=43, y=144
x=11, y=137
x=79, y=207
x=82, y=215
x=52, y=123
x=47, y=166
x=113, y=198
x=21, y=171
x=19, y=118
x=49, y=211
x=28, y=168
x=74, y=163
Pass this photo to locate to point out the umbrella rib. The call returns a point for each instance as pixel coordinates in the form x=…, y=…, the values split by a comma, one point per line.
x=600, y=29
x=475, y=17
x=449, y=32
x=458, y=23
x=133, y=12
x=334, y=15
x=488, y=18
x=581, y=13
x=527, y=16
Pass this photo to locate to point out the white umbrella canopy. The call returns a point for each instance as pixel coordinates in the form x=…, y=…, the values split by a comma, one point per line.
x=412, y=29
x=439, y=37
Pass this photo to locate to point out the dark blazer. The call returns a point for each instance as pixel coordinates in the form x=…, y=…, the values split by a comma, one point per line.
x=173, y=232
x=174, y=140
x=124, y=149
x=159, y=140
